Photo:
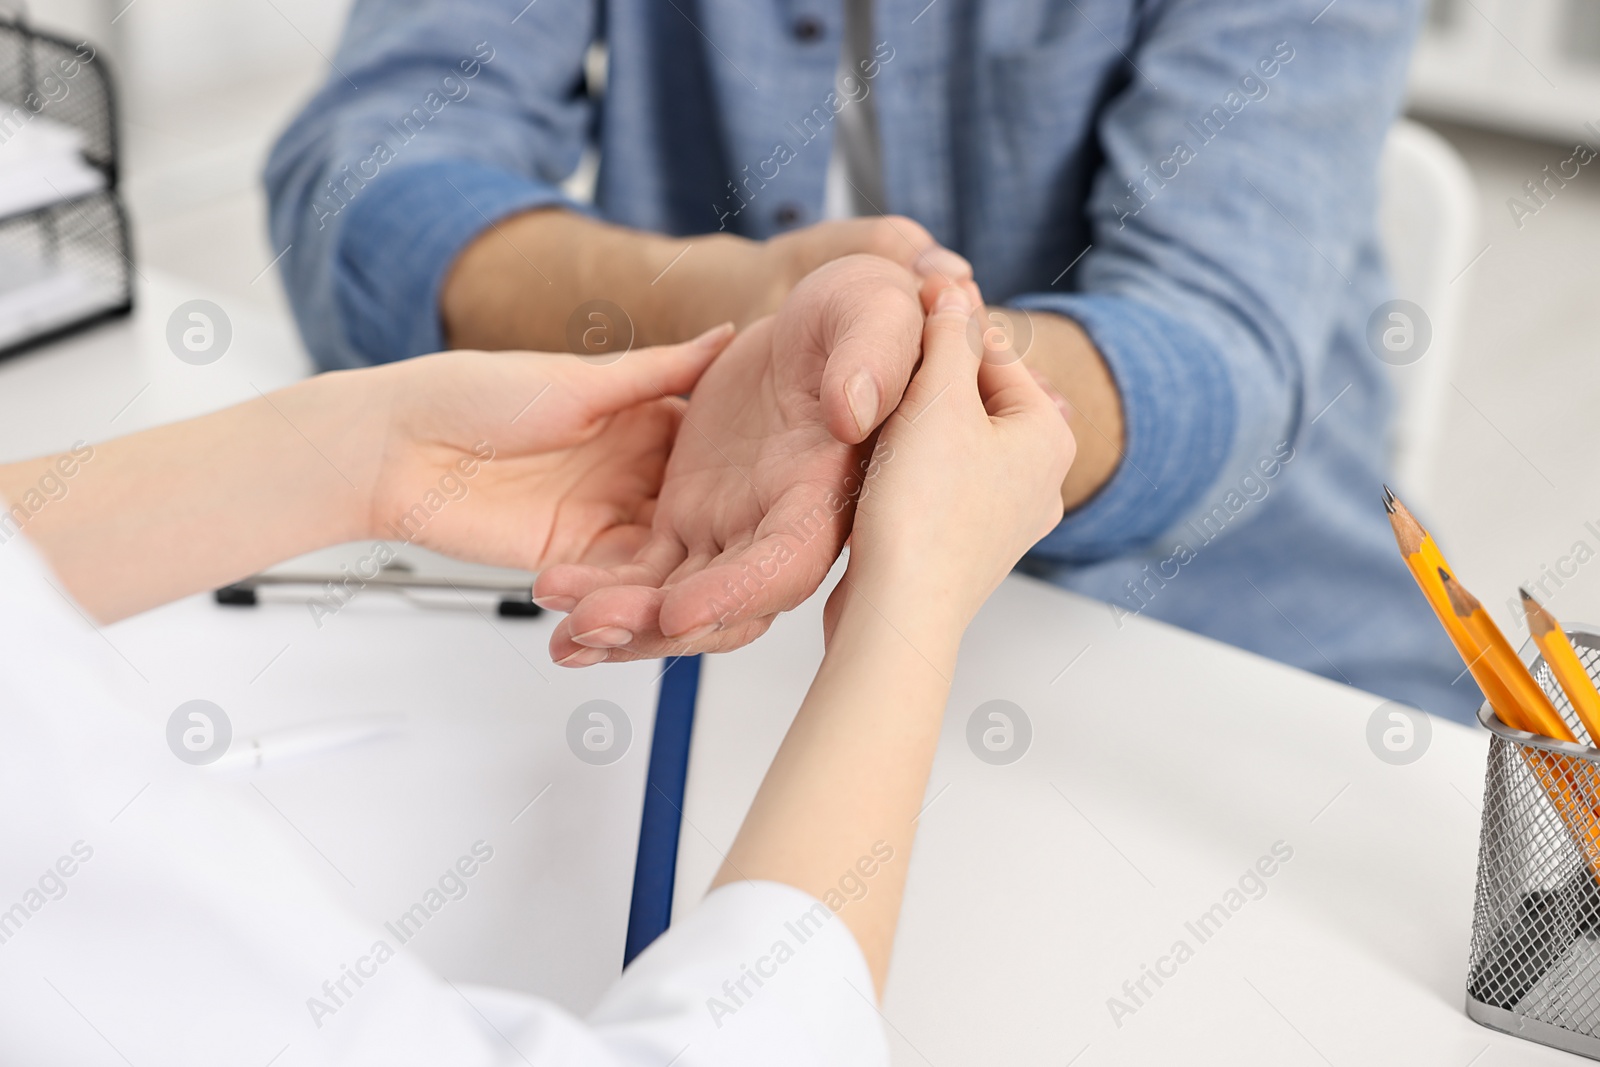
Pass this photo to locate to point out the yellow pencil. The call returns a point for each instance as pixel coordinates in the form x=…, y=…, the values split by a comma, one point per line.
x=1423, y=559
x=1425, y=545
x=1532, y=705
x=1564, y=664
x=1511, y=691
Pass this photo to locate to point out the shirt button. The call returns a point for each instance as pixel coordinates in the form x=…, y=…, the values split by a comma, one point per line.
x=807, y=28
x=787, y=214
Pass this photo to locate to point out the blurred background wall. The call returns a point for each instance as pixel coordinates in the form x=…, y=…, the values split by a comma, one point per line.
x=1510, y=83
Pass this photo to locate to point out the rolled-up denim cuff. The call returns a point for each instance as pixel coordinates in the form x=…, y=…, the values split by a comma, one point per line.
x=402, y=236
x=1178, y=417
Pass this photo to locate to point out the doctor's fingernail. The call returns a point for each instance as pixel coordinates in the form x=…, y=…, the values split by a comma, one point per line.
x=953, y=299
x=556, y=602
x=942, y=261
x=1052, y=392
x=861, y=393
x=584, y=657
x=604, y=637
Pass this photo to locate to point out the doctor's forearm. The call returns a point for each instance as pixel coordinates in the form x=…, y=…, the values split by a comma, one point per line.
x=1063, y=353
x=148, y=518
x=836, y=813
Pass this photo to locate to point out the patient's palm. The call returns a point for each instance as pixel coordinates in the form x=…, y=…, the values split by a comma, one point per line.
x=754, y=508
x=759, y=492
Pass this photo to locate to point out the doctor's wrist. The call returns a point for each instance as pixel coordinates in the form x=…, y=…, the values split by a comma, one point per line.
x=915, y=612
x=342, y=431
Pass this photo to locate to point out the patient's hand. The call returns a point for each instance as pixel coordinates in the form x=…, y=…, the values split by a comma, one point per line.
x=760, y=489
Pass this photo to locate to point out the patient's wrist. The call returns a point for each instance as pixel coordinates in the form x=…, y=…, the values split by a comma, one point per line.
x=695, y=284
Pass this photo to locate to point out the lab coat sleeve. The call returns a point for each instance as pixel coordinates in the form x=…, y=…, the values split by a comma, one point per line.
x=436, y=121
x=1236, y=199
x=758, y=973
x=152, y=907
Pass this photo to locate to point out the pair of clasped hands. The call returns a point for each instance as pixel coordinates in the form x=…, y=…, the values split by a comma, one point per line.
x=861, y=410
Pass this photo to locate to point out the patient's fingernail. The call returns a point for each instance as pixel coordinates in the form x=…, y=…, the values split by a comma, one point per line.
x=584, y=657
x=941, y=261
x=604, y=637
x=556, y=602
x=954, y=298
x=699, y=632
x=861, y=393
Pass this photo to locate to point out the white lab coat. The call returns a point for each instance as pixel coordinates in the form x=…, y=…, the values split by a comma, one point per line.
x=182, y=928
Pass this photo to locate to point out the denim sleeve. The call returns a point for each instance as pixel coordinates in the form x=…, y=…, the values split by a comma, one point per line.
x=439, y=118
x=1232, y=210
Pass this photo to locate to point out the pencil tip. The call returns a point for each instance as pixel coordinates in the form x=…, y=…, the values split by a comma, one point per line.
x=1463, y=603
x=1388, y=494
x=1540, y=621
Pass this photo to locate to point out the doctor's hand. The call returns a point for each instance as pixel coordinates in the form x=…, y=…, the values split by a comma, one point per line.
x=963, y=481
x=512, y=458
x=523, y=459
x=760, y=489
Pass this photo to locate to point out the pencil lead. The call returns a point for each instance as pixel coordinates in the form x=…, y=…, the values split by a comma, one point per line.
x=1387, y=506
x=1527, y=597
x=1388, y=494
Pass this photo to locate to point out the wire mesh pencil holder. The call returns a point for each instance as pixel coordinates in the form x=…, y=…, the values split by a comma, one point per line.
x=1534, y=968
x=65, y=254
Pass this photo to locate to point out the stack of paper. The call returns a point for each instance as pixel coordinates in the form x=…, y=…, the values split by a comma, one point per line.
x=37, y=295
x=41, y=163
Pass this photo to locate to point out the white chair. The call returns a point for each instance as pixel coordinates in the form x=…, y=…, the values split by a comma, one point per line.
x=1428, y=224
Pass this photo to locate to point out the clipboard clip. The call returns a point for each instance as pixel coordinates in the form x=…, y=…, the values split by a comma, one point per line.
x=515, y=601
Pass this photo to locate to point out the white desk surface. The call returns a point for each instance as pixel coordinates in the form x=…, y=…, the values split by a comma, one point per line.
x=1037, y=889
x=485, y=709
x=1162, y=766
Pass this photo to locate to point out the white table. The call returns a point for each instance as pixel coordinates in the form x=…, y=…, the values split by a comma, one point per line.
x=485, y=710
x=1162, y=766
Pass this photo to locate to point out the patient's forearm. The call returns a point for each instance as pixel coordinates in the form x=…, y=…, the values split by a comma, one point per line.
x=837, y=808
x=1063, y=353
x=158, y=515
x=519, y=283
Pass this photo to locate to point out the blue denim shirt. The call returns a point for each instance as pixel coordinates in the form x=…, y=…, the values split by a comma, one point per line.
x=1194, y=181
